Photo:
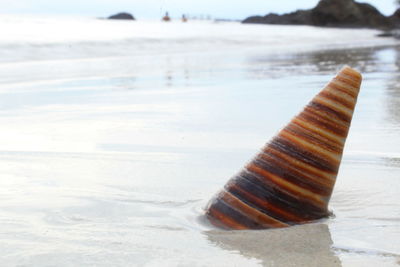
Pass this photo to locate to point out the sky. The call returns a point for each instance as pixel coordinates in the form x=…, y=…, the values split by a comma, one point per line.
x=231, y=9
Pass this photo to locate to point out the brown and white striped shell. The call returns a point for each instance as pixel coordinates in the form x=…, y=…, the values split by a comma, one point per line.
x=290, y=181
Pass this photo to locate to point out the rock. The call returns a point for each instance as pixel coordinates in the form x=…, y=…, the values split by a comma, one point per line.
x=392, y=33
x=347, y=13
x=386, y=34
x=332, y=13
x=122, y=15
x=395, y=18
x=299, y=17
x=258, y=19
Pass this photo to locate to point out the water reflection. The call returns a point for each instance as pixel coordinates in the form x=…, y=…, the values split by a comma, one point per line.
x=324, y=61
x=305, y=245
x=393, y=91
x=127, y=83
x=169, y=78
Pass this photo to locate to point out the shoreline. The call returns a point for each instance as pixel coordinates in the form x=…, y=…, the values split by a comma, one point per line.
x=149, y=37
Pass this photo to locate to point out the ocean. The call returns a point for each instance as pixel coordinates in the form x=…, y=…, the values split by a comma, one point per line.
x=115, y=134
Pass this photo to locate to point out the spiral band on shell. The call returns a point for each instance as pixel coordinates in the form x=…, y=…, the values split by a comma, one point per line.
x=290, y=181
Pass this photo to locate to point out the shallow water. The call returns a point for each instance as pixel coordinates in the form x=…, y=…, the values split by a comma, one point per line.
x=111, y=143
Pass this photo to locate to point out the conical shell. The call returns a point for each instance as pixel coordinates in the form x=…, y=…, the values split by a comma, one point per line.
x=290, y=181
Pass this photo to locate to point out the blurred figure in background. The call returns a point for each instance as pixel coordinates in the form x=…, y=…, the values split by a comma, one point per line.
x=166, y=17
x=184, y=19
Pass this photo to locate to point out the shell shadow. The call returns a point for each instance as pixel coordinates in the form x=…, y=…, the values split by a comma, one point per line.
x=302, y=245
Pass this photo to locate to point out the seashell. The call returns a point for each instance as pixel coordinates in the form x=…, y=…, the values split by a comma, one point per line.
x=290, y=181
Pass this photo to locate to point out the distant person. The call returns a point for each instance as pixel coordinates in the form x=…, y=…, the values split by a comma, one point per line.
x=166, y=17
x=184, y=19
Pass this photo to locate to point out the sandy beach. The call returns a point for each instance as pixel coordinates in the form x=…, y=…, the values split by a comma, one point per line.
x=112, y=141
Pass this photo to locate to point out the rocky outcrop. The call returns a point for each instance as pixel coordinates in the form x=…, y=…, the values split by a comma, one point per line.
x=347, y=13
x=122, y=15
x=395, y=18
x=301, y=17
x=392, y=33
x=332, y=13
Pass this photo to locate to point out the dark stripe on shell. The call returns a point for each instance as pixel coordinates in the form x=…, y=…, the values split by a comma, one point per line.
x=224, y=208
x=303, y=155
x=327, y=94
x=337, y=114
x=283, y=170
x=313, y=138
x=329, y=126
x=263, y=195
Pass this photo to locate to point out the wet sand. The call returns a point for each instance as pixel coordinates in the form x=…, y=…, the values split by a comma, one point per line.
x=109, y=161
